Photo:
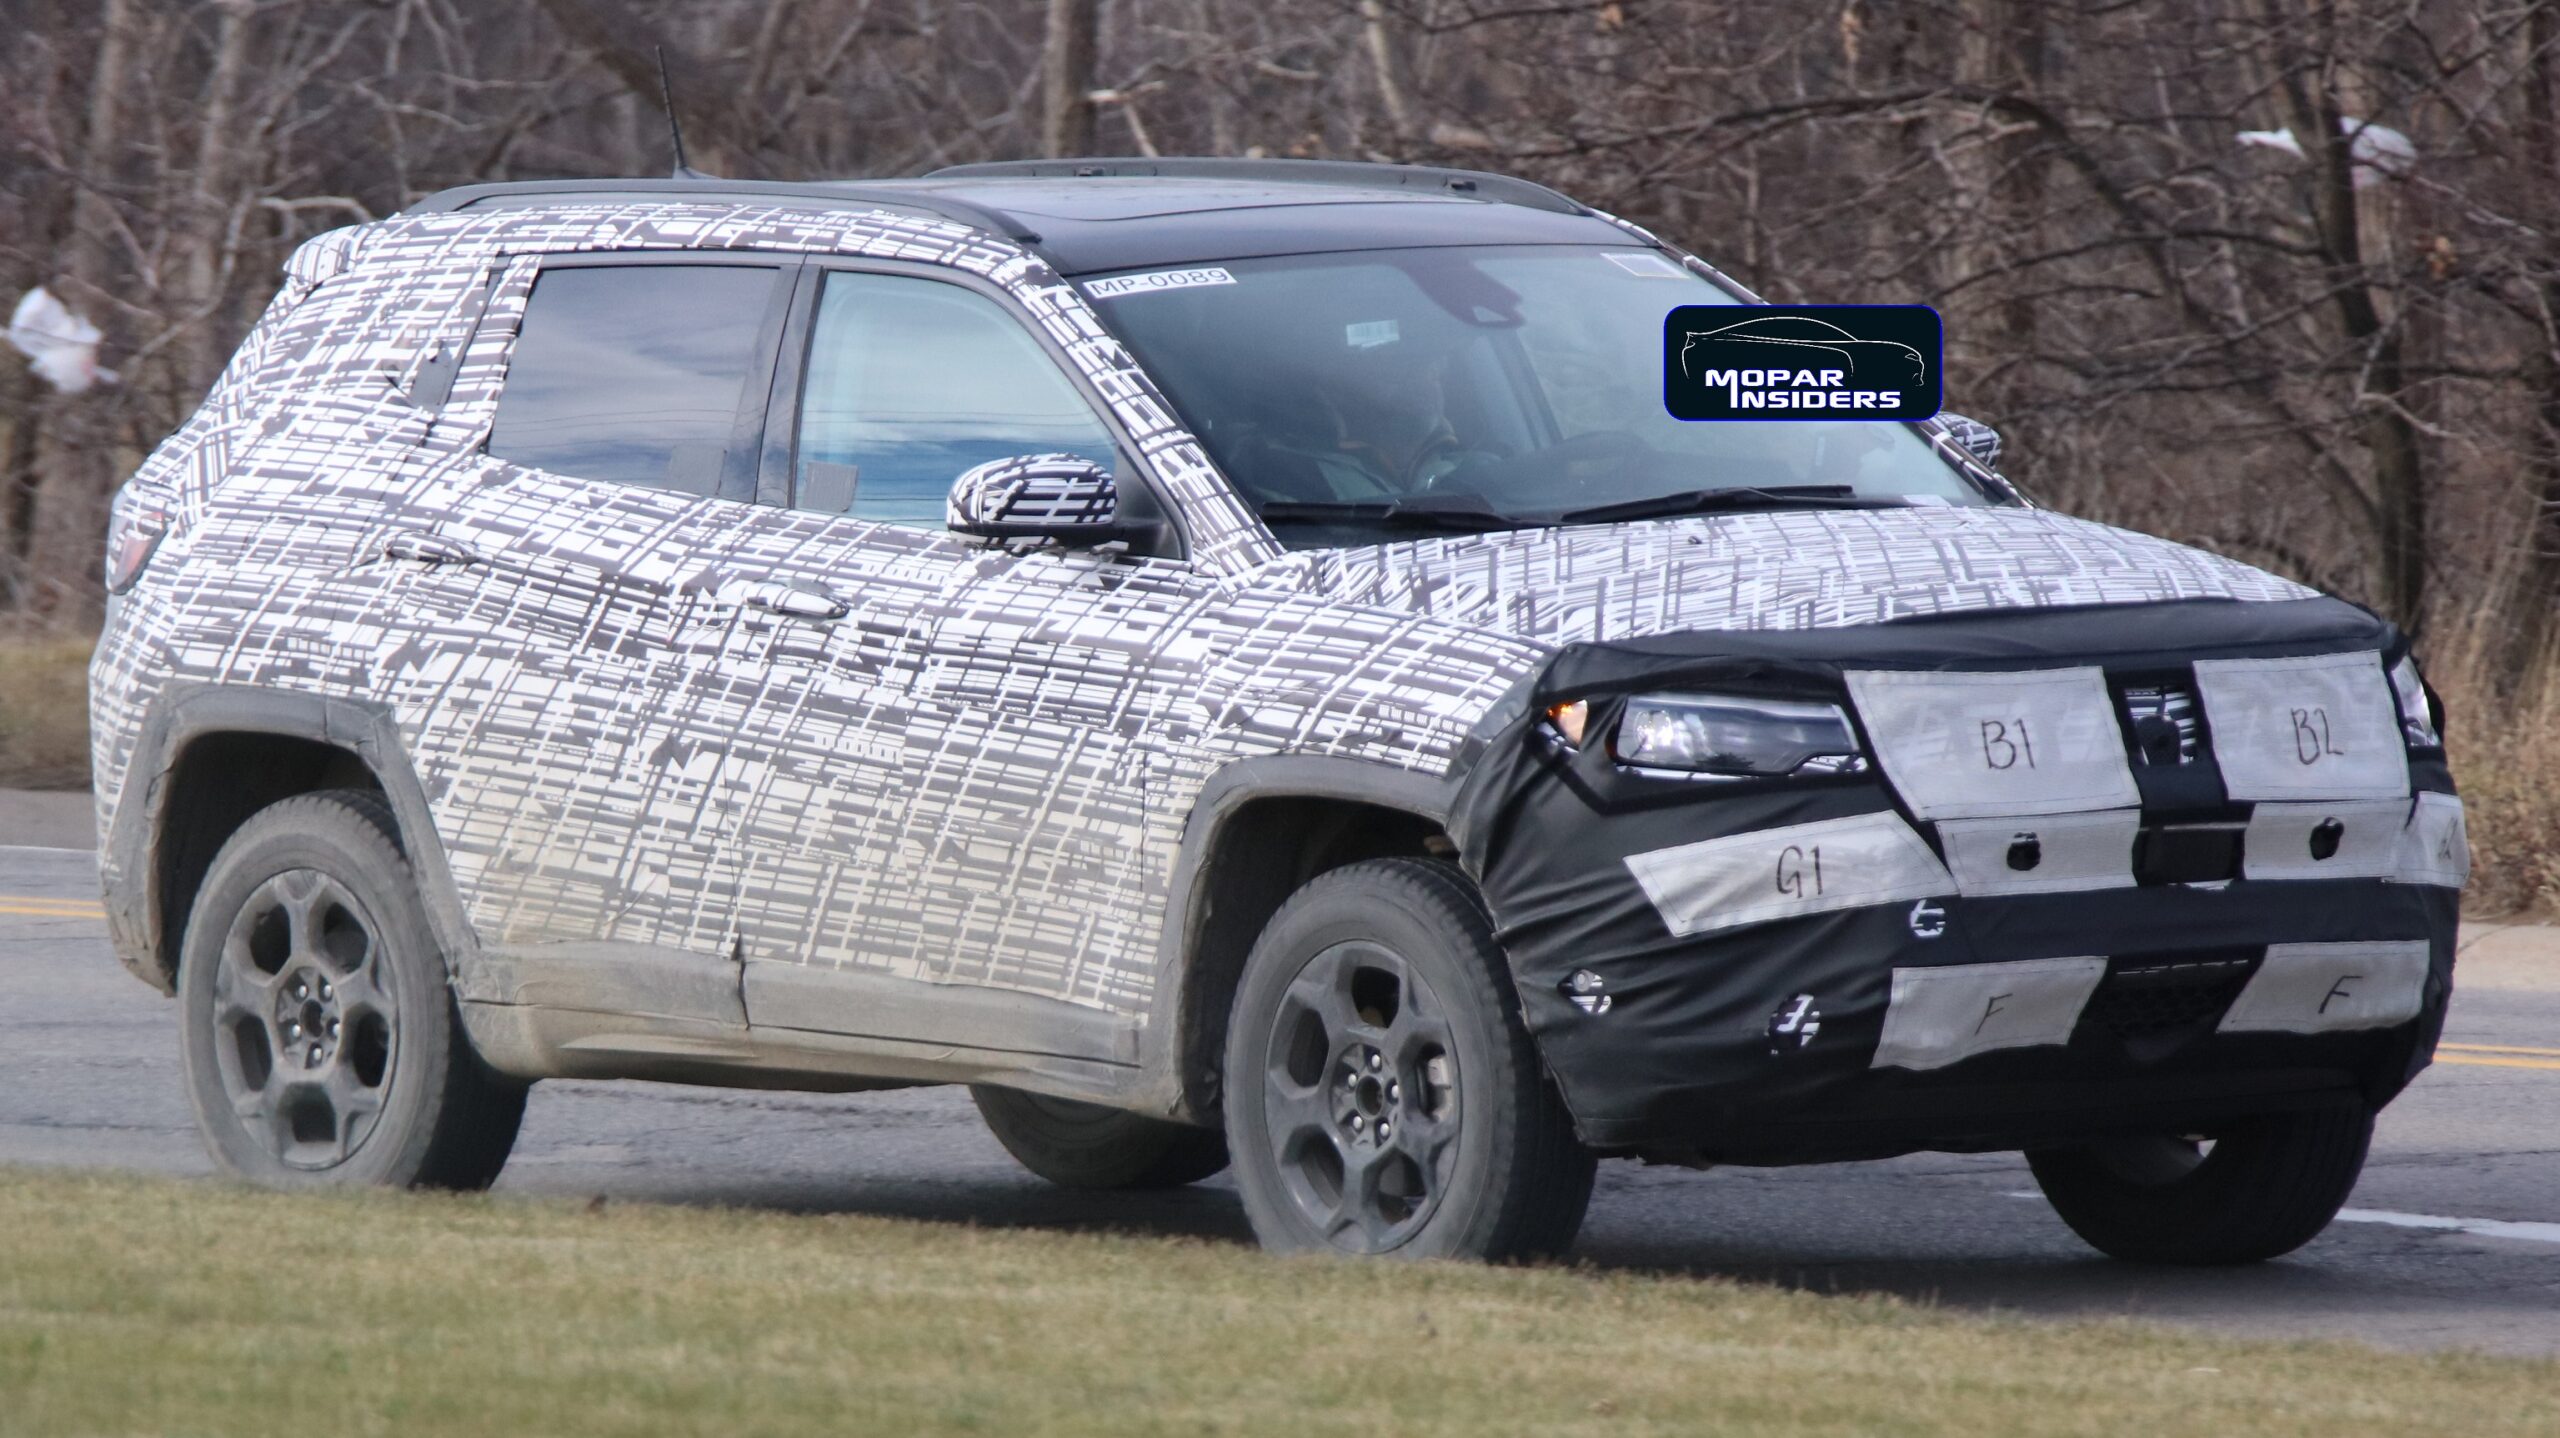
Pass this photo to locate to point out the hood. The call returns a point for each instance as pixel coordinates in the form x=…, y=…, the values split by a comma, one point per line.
x=1800, y=569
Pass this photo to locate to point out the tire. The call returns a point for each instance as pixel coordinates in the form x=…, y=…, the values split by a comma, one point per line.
x=2266, y=1187
x=1381, y=1094
x=1085, y=1145
x=318, y=1032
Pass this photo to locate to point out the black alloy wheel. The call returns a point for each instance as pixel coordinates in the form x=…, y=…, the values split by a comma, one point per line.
x=320, y=1039
x=1381, y=1096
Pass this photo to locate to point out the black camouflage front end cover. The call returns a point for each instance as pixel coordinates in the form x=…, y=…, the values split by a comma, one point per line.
x=1930, y=954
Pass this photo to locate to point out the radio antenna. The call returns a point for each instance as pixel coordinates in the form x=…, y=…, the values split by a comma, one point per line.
x=675, y=127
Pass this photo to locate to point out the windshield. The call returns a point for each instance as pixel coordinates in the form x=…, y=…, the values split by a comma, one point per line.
x=1477, y=388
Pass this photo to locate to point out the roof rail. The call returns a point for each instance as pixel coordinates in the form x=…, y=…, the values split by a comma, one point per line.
x=1353, y=174
x=835, y=192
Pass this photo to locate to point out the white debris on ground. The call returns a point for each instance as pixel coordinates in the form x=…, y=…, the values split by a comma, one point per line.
x=2375, y=152
x=60, y=343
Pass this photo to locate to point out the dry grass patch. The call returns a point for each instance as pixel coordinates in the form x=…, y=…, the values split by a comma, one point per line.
x=2503, y=733
x=150, y=1306
x=44, y=710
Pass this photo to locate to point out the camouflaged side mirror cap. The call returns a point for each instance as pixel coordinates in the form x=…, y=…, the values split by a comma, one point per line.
x=1038, y=496
x=1974, y=438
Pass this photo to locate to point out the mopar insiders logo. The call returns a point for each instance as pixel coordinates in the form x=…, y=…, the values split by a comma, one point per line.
x=1801, y=362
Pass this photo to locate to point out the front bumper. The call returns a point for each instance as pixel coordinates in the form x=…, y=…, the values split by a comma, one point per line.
x=1920, y=1012
x=1703, y=1044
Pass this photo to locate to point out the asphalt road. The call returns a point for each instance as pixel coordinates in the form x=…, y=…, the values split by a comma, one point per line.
x=2453, y=1239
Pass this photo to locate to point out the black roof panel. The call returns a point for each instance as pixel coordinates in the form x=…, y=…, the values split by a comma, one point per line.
x=1206, y=211
x=1090, y=225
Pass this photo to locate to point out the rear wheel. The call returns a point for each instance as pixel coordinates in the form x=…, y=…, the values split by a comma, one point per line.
x=1381, y=1094
x=2258, y=1189
x=1085, y=1145
x=318, y=1033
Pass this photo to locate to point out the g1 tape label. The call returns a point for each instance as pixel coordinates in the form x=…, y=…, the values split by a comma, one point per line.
x=1781, y=873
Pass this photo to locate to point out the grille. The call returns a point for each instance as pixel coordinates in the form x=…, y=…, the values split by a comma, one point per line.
x=2163, y=717
x=2141, y=999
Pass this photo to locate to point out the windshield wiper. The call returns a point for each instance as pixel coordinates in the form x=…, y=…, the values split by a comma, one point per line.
x=1705, y=501
x=1455, y=519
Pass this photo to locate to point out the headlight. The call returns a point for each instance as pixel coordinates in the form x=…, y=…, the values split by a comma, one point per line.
x=1730, y=737
x=2417, y=718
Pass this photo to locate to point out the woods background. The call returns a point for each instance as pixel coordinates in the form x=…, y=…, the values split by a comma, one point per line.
x=2333, y=351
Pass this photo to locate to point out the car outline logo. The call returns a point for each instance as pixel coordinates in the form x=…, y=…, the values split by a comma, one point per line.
x=1847, y=347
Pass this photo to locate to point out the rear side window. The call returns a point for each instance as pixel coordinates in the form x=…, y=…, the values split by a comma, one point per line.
x=633, y=373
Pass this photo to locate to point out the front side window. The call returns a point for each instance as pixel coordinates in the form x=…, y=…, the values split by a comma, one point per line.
x=1479, y=387
x=633, y=373
x=912, y=382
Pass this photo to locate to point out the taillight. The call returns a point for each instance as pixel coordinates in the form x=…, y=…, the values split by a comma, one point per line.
x=130, y=544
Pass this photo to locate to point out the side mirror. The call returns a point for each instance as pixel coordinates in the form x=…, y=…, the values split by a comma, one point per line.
x=1974, y=438
x=1037, y=496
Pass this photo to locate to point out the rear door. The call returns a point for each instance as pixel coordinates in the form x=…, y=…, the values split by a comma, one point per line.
x=565, y=638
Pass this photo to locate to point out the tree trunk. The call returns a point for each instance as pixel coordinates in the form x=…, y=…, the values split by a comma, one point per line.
x=1066, y=79
x=1386, y=57
x=2376, y=346
x=2539, y=611
x=74, y=454
x=205, y=239
x=2005, y=50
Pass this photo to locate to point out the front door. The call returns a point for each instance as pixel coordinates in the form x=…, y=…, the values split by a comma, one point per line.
x=948, y=847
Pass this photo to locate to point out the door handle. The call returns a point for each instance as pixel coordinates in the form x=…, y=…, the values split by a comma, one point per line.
x=420, y=547
x=793, y=602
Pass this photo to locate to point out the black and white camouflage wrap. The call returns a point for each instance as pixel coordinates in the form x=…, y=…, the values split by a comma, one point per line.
x=1031, y=495
x=979, y=775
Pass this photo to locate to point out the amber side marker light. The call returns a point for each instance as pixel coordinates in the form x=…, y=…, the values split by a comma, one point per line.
x=1570, y=720
x=137, y=536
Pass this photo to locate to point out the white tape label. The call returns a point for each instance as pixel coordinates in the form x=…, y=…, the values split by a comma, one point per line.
x=2322, y=727
x=1941, y=1016
x=2041, y=854
x=1156, y=280
x=1783, y=873
x=2323, y=988
x=2360, y=840
x=1961, y=746
x=2435, y=848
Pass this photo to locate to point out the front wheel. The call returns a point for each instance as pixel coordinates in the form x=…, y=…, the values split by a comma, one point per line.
x=2258, y=1189
x=1382, y=1096
x=317, y=1030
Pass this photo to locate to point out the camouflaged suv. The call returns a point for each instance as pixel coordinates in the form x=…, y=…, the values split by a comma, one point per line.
x=1233, y=661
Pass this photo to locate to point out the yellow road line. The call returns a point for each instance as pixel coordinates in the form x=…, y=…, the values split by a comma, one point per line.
x=53, y=911
x=2500, y=1049
x=2483, y=1061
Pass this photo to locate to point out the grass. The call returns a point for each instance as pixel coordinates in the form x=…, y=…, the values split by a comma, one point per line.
x=44, y=711
x=135, y=1306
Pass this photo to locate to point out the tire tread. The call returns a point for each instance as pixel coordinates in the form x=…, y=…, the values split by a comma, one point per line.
x=1543, y=1172
x=2264, y=1199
